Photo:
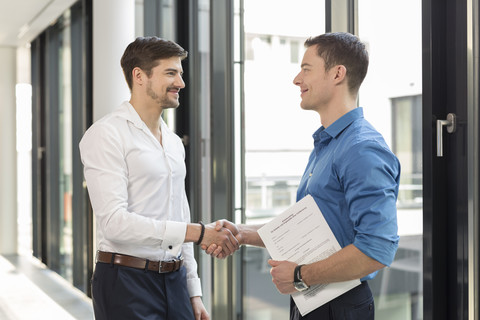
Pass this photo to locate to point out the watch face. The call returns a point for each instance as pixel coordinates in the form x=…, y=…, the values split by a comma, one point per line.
x=300, y=286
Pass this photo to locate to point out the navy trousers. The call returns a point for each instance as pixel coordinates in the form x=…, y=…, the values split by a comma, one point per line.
x=127, y=293
x=356, y=304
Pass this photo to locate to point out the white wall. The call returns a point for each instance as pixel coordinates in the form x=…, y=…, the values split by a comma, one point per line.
x=24, y=150
x=8, y=156
x=113, y=30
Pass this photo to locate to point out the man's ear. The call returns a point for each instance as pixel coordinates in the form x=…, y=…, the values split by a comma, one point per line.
x=138, y=76
x=340, y=73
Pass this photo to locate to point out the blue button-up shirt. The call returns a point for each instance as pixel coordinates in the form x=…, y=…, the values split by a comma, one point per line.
x=354, y=177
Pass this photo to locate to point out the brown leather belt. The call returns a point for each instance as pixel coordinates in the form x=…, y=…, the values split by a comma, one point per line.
x=139, y=263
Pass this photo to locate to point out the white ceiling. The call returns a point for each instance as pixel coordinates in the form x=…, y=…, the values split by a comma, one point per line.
x=22, y=20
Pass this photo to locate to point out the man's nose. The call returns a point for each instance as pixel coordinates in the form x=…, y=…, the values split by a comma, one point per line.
x=179, y=82
x=296, y=80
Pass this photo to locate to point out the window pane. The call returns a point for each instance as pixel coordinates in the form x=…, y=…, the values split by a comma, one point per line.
x=278, y=133
x=391, y=98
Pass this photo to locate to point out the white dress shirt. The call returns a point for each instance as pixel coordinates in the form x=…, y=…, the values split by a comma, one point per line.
x=137, y=190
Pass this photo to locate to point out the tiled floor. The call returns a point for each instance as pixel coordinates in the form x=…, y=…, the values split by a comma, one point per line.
x=28, y=290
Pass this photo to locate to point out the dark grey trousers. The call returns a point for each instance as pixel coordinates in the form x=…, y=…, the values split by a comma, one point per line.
x=127, y=293
x=356, y=304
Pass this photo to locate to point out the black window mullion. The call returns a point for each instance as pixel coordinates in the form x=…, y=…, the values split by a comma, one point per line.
x=52, y=147
x=38, y=148
x=81, y=119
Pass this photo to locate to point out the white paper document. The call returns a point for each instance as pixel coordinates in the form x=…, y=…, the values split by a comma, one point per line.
x=301, y=235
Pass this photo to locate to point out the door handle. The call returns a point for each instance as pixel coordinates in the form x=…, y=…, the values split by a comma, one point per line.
x=451, y=124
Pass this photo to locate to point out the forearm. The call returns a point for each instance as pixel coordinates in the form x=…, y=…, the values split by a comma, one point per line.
x=208, y=235
x=346, y=264
x=128, y=228
x=249, y=235
x=193, y=232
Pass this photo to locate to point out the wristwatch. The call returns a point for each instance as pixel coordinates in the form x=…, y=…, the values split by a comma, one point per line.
x=297, y=279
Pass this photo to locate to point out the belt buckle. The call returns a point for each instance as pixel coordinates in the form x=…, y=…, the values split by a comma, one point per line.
x=160, y=265
x=174, y=260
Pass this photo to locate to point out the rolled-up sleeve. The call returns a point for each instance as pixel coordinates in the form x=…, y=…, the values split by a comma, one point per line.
x=371, y=192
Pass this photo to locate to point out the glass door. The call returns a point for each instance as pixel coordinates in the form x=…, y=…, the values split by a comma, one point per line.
x=278, y=133
x=423, y=66
x=278, y=136
x=391, y=96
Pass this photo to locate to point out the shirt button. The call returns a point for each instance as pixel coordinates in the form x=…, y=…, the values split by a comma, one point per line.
x=170, y=247
x=310, y=174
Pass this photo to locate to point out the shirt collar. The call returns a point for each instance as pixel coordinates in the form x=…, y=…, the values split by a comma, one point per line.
x=344, y=121
x=128, y=112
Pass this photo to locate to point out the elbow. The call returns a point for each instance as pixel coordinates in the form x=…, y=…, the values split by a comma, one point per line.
x=376, y=266
x=110, y=227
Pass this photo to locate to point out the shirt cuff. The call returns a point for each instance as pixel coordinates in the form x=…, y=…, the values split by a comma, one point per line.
x=194, y=287
x=174, y=237
x=378, y=249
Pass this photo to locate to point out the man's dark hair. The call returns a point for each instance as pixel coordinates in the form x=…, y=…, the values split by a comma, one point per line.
x=341, y=48
x=145, y=52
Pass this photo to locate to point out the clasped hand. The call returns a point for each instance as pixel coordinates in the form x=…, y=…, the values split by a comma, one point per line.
x=220, y=239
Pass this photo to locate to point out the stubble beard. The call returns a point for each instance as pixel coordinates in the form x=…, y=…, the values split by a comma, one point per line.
x=162, y=100
x=305, y=105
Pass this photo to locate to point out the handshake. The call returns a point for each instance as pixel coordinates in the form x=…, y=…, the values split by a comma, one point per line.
x=222, y=238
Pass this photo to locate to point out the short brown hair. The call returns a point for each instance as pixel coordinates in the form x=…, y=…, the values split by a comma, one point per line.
x=145, y=52
x=341, y=48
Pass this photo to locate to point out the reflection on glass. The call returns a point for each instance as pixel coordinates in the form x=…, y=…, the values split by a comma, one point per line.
x=168, y=31
x=391, y=98
x=278, y=134
x=407, y=145
x=65, y=151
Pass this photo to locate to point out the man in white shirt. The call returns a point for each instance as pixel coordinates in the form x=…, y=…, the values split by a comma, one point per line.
x=135, y=170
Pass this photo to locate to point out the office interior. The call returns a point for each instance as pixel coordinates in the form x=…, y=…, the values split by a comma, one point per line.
x=246, y=139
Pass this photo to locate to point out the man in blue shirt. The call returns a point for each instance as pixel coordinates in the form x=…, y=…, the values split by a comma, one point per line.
x=353, y=177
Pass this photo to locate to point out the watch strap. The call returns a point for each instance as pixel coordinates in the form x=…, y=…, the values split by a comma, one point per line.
x=297, y=275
